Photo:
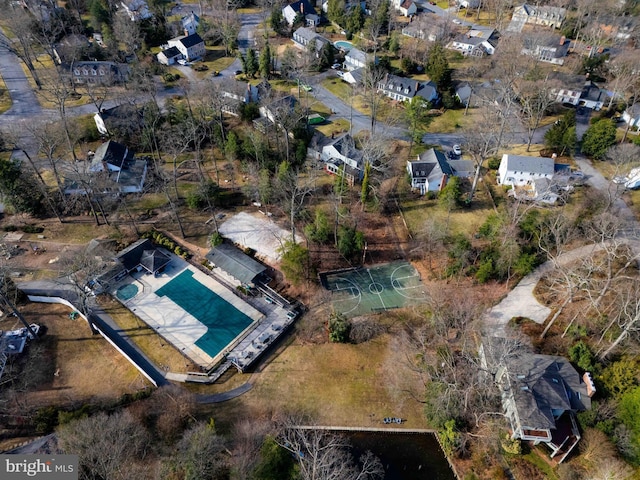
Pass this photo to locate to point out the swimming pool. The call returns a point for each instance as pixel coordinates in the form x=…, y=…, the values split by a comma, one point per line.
x=127, y=292
x=343, y=45
x=224, y=322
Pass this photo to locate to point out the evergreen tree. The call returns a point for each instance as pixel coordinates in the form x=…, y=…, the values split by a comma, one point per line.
x=265, y=62
x=355, y=20
x=562, y=134
x=327, y=56
x=336, y=11
x=364, y=193
x=598, y=138
x=437, y=67
x=276, y=21
x=251, y=63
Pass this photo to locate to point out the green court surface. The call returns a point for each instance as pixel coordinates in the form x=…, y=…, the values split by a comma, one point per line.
x=374, y=289
x=224, y=321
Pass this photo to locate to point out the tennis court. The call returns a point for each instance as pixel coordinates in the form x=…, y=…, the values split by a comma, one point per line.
x=224, y=322
x=374, y=289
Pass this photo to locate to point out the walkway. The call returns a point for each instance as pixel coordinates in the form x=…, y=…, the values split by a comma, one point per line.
x=521, y=302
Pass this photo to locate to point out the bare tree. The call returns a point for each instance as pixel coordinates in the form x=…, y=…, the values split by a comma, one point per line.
x=98, y=440
x=294, y=188
x=21, y=44
x=323, y=455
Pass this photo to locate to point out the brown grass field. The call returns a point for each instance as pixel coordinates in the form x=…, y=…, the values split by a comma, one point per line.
x=69, y=365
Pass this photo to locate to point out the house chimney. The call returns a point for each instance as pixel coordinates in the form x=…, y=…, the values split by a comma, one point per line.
x=302, y=8
x=417, y=86
x=186, y=32
x=588, y=381
x=562, y=40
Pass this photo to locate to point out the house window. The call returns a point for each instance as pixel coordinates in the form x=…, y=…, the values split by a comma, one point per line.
x=94, y=73
x=101, y=72
x=76, y=71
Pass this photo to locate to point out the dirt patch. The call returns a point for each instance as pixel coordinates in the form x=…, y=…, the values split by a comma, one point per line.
x=67, y=366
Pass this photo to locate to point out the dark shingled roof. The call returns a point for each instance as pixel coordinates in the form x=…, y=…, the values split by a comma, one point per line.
x=191, y=40
x=130, y=257
x=171, y=52
x=111, y=152
x=237, y=264
x=153, y=260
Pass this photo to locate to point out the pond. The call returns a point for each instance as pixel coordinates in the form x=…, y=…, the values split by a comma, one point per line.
x=405, y=456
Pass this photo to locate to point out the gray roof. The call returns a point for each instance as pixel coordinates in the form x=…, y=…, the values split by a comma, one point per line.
x=345, y=145
x=431, y=165
x=237, y=264
x=426, y=90
x=520, y=163
x=153, y=260
x=357, y=55
x=131, y=173
x=463, y=92
x=543, y=383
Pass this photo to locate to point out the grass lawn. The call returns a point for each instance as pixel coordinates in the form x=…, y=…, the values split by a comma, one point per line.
x=334, y=127
x=388, y=111
x=451, y=120
x=338, y=384
x=64, y=362
x=5, y=98
x=215, y=60
x=155, y=347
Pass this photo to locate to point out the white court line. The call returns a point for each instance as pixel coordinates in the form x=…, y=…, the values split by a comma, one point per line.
x=398, y=289
x=373, y=282
x=356, y=288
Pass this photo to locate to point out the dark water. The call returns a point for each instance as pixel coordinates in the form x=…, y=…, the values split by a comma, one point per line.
x=415, y=456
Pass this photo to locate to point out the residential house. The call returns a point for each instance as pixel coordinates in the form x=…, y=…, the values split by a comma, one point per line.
x=356, y=58
x=592, y=96
x=110, y=156
x=341, y=157
x=540, y=15
x=169, y=56
x=519, y=170
x=278, y=109
x=190, y=46
x=469, y=3
x=619, y=27
x=432, y=170
x=236, y=267
x=304, y=37
x=567, y=87
x=110, y=120
x=112, y=168
x=136, y=9
x=631, y=116
x=550, y=49
x=190, y=23
x=407, y=8
x=102, y=73
x=70, y=48
x=426, y=27
x=477, y=42
x=354, y=77
x=541, y=394
x=404, y=89
x=463, y=93
x=301, y=7
x=235, y=93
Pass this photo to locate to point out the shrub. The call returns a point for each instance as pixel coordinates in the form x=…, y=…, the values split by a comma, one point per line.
x=10, y=228
x=32, y=229
x=339, y=328
x=494, y=163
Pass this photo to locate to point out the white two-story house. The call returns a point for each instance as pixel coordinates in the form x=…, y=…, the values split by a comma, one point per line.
x=518, y=170
x=190, y=46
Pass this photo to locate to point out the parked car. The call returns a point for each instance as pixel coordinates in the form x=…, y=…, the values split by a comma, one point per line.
x=336, y=66
x=457, y=150
x=183, y=62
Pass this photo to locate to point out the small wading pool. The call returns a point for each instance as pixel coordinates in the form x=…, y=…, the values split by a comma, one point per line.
x=127, y=292
x=344, y=45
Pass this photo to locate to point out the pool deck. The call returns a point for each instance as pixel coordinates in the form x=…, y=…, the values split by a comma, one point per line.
x=173, y=323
